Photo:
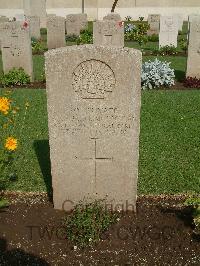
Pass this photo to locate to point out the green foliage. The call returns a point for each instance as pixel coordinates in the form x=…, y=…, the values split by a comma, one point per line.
x=137, y=32
x=15, y=77
x=86, y=37
x=43, y=31
x=183, y=44
x=194, y=202
x=166, y=50
x=37, y=46
x=87, y=222
x=153, y=38
x=71, y=38
x=3, y=203
x=128, y=18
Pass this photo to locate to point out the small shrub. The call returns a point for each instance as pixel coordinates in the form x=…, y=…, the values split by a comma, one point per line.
x=87, y=222
x=128, y=18
x=15, y=77
x=153, y=38
x=86, y=37
x=71, y=38
x=191, y=82
x=157, y=74
x=3, y=203
x=184, y=45
x=137, y=32
x=194, y=202
x=168, y=50
x=43, y=31
x=37, y=46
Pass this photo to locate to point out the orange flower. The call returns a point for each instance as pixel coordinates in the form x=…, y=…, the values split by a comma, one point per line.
x=4, y=105
x=11, y=144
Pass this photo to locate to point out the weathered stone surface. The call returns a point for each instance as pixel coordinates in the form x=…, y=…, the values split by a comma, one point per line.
x=193, y=62
x=36, y=8
x=180, y=21
x=108, y=33
x=16, y=47
x=94, y=119
x=34, y=23
x=55, y=32
x=168, y=31
x=3, y=19
x=75, y=23
x=154, y=23
x=113, y=16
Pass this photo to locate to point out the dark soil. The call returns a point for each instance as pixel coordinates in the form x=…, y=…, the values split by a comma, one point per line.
x=161, y=233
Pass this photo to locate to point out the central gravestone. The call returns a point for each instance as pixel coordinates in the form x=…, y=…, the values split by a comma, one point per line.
x=94, y=118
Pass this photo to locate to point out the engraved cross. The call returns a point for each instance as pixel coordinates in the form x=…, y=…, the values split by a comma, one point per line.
x=96, y=159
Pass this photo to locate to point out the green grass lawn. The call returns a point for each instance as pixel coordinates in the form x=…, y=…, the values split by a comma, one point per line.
x=169, y=143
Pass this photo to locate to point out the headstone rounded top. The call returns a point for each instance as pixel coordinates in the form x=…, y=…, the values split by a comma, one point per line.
x=112, y=16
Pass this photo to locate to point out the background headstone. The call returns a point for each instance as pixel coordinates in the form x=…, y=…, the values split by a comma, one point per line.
x=55, y=32
x=3, y=19
x=113, y=16
x=193, y=62
x=36, y=8
x=180, y=21
x=154, y=23
x=108, y=33
x=75, y=23
x=94, y=119
x=16, y=47
x=168, y=31
x=34, y=23
x=19, y=17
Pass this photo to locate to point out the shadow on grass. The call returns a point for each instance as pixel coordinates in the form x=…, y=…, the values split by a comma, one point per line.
x=18, y=256
x=180, y=75
x=43, y=154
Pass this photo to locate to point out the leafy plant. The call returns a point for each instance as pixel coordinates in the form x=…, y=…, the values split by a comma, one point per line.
x=191, y=82
x=184, y=45
x=8, y=143
x=157, y=74
x=137, y=32
x=168, y=50
x=71, y=38
x=153, y=38
x=194, y=202
x=128, y=18
x=15, y=77
x=86, y=37
x=87, y=222
x=37, y=46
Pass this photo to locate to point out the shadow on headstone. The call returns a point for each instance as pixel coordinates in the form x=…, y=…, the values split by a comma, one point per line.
x=43, y=154
x=18, y=257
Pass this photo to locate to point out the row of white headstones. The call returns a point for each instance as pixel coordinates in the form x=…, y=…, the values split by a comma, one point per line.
x=16, y=42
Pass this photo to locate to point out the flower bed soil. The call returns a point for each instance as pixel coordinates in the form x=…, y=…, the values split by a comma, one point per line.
x=161, y=233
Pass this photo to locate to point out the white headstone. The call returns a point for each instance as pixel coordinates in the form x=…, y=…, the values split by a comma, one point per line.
x=16, y=47
x=193, y=62
x=168, y=31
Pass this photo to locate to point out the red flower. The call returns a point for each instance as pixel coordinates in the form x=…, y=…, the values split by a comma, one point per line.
x=25, y=24
x=121, y=24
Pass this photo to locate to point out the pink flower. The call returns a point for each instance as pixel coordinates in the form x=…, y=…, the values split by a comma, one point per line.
x=120, y=24
x=25, y=24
